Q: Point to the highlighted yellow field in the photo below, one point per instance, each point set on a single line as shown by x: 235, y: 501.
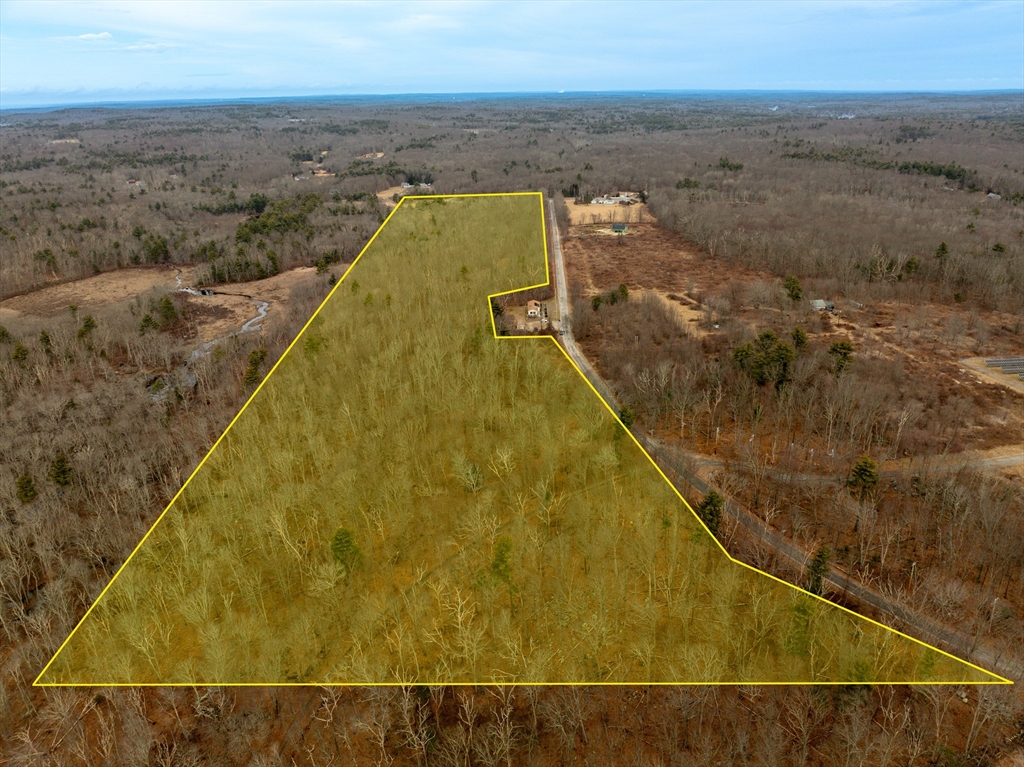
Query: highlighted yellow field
x: 408, y: 499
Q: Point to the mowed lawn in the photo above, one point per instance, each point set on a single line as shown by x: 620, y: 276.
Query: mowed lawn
x: 491, y: 520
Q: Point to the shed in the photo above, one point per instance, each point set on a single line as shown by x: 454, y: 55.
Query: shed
x: 823, y: 306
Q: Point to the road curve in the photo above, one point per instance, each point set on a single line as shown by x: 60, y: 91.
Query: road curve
x: 672, y: 463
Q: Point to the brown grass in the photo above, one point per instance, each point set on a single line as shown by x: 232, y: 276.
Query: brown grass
x: 586, y: 213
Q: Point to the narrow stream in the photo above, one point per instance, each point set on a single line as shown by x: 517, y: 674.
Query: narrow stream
x: 254, y: 323
x: 183, y: 376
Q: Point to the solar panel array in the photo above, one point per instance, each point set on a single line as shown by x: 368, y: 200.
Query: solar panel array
x: 1008, y: 365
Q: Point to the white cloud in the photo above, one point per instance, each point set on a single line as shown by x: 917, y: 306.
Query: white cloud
x: 96, y: 36
x: 149, y: 46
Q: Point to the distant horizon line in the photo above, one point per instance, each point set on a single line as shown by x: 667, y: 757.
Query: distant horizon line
x: 468, y: 96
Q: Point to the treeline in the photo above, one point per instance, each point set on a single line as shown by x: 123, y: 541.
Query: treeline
x: 952, y: 171
x: 255, y: 205
x: 868, y: 158
x: 359, y: 168
x: 107, y: 159
x: 421, y: 143
x: 859, y: 156
x: 242, y: 267
x: 536, y: 726
x: 353, y: 128
x: 10, y: 165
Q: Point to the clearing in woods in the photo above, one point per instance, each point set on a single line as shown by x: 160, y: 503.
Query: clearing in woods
x: 214, y: 316
x: 408, y: 499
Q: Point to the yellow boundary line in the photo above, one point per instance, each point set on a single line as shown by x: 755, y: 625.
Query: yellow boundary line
x: 999, y: 680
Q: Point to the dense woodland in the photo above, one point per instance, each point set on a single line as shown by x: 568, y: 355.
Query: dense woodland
x: 918, y: 200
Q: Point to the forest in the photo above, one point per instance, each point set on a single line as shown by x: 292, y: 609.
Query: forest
x: 317, y: 542
x: 911, y: 209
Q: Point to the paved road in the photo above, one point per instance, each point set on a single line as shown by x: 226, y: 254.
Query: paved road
x: 672, y: 462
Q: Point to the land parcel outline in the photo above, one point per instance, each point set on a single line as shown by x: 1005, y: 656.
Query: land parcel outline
x: 491, y: 519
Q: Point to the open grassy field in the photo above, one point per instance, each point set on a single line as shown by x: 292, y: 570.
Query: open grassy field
x: 408, y: 499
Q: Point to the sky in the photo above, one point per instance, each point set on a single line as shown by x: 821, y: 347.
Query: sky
x: 85, y: 51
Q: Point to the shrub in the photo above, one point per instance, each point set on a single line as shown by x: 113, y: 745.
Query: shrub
x: 168, y: 314
x: 793, y: 289
x: 627, y: 417
x: 148, y: 323
x: 25, y: 489
x: 501, y: 565
x: 61, y: 472
x: 817, y: 570
x: 842, y: 354
x: 863, y: 477
x: 252, y: 372
x: 710, y: 511
x: 19, y: 353
x: 88, y: 325
x: 345, y: 549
